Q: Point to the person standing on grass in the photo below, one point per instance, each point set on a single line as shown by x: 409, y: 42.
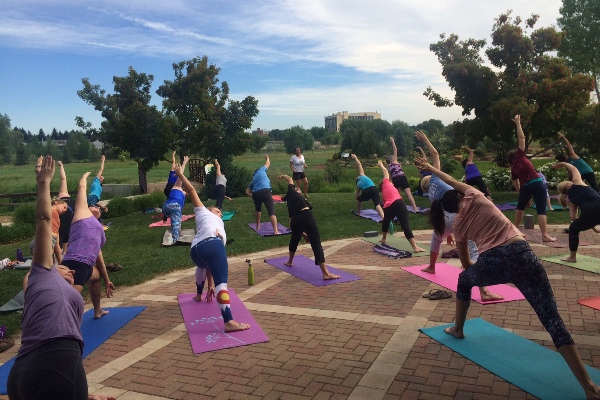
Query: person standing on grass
x: 302, y: 221
x: 220, y: 185
x: 398, y: 177
x: 297, y: 165
x: 577, y: 195
x: 393, y: 206
x: 49, y: 363
x: 472, y: 174
x: 436, y: 188
x: 505, y: 258
x: 260, y: 192
x: 528, y: 184
x: 173, y: 207
x: 586, y: 172
x: 365, y: 189
x: 208, y: 253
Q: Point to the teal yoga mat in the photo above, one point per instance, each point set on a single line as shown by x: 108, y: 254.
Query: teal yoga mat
x: 227, y: 215
x: 94, y: 332
x: 527, y: 365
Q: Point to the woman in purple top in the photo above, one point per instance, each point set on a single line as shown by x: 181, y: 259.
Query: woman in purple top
x: 48, y: 365
x: 473, y: 176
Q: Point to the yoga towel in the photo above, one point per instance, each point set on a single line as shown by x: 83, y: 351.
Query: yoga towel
x: 447, y: 276
x: 227, y: 215
x: 205, y: 325
x: 16, y: 303
x: 306, y: 269
x: 419, y: 211
x: 369, y: 214
x: 94, y: 332
x: 390, y: 251
x: 585, y: 263
x: 398, y: 242
x: 506, y: 206
x: 536, y: 369
x: 266, y: 229
x: 168, y: 222
x: 593, y: 302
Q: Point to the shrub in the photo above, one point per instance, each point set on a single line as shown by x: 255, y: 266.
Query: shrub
x: 25, y: 214
x: 553, y: 176
x: 119, y: 206
x: 499, y: 179
x: 142, y: 203
x: 333, y: 172
x: 413, y: 182
x: 449, y: 164
x: 238, y: 179
x: 16, y: 232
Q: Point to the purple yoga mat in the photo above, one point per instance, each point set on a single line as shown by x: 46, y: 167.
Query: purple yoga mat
x: 421, y: 210
x: 205, y: 325
x: 447, y: 276
x: 306, y: 269
x: 505, y: 207
x: 369, y: 214
x: 266, y: 229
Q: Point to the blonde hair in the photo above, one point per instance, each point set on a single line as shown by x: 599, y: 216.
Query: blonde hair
x: 425, y: 183
x: 563, y: 199
x: 56, y: 200
x: 562, y: 187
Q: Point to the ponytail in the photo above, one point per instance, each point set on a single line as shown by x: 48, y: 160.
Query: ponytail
x: 436, y: 218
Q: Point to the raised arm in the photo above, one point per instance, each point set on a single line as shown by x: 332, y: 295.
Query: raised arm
x: 173, y: 161
x: 520, y: 134
x: 101, y: 170
x: 361, y: 171
x: 42, y: 252
x: 470, y: 159
x: 432, y: 151
x: 422, y: 152
x: 386, y: 174
x: 573, y: 171
x: 63, y: 191
x: 288, y: 178
x: 394, y: 151
x: 425, y: 166
x: 184, y: 163
x: 218, y: 168
x: 267, y: 161
x: 568, y: 146
x: 81, y: 207
x: 189, y: 188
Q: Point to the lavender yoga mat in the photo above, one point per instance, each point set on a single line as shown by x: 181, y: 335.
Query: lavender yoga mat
x: 266, y: 229
x: 205, y: 325
x: 306, y: 269
x: 505, y: 207
x: 369, y: 214
x: 420, y: 210
x: 447, y: 276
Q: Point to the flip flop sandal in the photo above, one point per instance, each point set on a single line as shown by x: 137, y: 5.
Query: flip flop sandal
x: 432, y: 292
x: 442, y: 294
x: 6, y: 344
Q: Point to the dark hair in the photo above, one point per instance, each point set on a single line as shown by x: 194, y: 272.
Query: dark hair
x: 510, y: 156
x: 449, y: 203
x: 561, y: 157
x: 464, y: 163
x: 388, y: 159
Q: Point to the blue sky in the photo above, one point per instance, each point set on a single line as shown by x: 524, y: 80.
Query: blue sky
x: 301, y: 59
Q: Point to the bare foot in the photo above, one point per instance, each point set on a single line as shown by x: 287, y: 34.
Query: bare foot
x: 277, y: 233
x: 198, y: 297
x: 592, y: 393
x: 548, y: 238
x: 489, y: 296
x: 418, y: 250
x: 430, y: 269
x: 454, y: 332
x: 233, y: 326
x: 306, y: 195
x: 569, y: 259
x: 101, y: 314
x: 329, y: 276
x: 289, y: 264
x: 258, y: 227
x: 382, y: 241
x: 551, y: 209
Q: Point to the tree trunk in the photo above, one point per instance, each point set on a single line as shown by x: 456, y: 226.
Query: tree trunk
x: 142, y: 178
x: 596, y: 87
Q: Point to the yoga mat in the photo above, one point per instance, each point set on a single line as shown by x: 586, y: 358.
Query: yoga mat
x: 369, y: 214
x: 585, y: 263
x: 16, y: 303
x: 205, y: 325
x: 227, y: 215
x: 186, y: 236
x: 556, y: 207
x: 398, y: 242
x: 506, y: 206
x: 306, y: 269
x: 593, y: 302
x: 447, y: 276
x: 266, y: 229
x: 94, y: 332
x: 534, y: 235
x: 168, y: 222
x: 535, y: 369
x: 277, y: 199
x: 420, y: 210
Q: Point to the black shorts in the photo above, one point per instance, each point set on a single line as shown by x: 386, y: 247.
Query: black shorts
x: 83, y: 272
x: 370, y: 193
x: 298, y: 176
x: 400, y: 182
x: 264, y: 196
x: 65, y: 220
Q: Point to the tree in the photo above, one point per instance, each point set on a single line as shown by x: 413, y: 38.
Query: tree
x: 130, y: 122
x: 318, y: 132
x: 361, y: 138
x: 41, y: 135
x: 526, y: 80
x: 276, y: 134
x: 205, y: 121
x: 257, y: 142
x: 580, y: 21
x: 297, y: 136
x: 21, y: 156
x: 404, y: 138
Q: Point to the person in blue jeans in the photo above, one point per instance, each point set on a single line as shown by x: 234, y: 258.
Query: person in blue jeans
x: 260, y: 192
x: 173, y: 207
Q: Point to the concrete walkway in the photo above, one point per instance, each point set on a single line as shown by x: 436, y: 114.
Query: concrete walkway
x: 357, y: 340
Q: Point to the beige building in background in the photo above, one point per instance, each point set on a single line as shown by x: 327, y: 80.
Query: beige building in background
x: 333, y: 121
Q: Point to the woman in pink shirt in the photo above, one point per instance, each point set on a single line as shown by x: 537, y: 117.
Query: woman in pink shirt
x: 504, y: 257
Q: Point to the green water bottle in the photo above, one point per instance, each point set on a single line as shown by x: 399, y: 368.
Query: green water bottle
x: 250, y: 273
x: 391, y: 227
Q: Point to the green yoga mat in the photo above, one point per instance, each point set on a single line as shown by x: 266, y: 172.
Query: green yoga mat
x: 227, y: 215
x: 585, y: 263
x: 527, y: 365
x: 400, y: 243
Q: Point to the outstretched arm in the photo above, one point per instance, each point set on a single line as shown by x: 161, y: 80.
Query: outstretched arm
x: 386, y: 174
x: 361, y: 171
x: 288, y: 178
x: 432, y: 151
x: 184, y: 163
x: 101, y: 266
x: 422, y: 152
x: 81, y: 207
x: 520, y: 134
x: 218, y: 168
x: 267, y: 161
x: 570, y: 149
x: 189, y: 188
x: 63, y: 191
x: 42, y: 252
x: 461, y: 187
x: 470, y: 159
x: 573, y: 172
x: 101, y: 170
x: 173, y: 161
x: 394, y: 151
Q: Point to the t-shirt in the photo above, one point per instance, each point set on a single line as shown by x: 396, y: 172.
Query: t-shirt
x: 297, y: 163
x: 437, y: 188
x: 363, y: 182
x: 482, y: 222
x: 220, y: 180
x: 581, y: 195
x: 471, y: 171
x: 260, y: 180
x: 53, y: 309
x: 172, y: 177
x: 55, y: 222
x: 522, y: 169
x: 389, y: 193
x: 295, y: 202
x: 581, y: 165
x: 86, y: 239
x: 207, y: 225
x: 176, y: 196
x: 396, y: 170
x: 96, y: 188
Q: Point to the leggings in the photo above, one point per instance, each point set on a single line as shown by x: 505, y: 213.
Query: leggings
x: 516, y: 263
x: 538, y: 191
x: 210, y: 253
x: 590, y: 177
x: 304, y: 221
x: 397, y: 209
x: 173, y: 211
x: 478, y: 181
x: 590, y: 217
x: 219, y: 195
x: 52, y: 371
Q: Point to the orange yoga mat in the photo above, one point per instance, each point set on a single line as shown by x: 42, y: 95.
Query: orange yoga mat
x: 593, y: 302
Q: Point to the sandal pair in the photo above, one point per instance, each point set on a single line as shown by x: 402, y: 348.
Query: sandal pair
x: 437, y: 294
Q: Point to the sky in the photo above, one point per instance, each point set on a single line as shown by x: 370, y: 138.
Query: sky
x: 302, y: 60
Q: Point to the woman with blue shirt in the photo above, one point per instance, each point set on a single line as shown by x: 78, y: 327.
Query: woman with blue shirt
x: 366, y: 189
x: 260, y: 192
x: 586, y: 172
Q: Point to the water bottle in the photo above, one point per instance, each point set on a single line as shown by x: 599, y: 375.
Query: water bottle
x: 391, y: 227
x: 250, y: 273
x: 19, y: 255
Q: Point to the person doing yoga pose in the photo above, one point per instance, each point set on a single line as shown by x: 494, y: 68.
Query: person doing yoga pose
x: 220, y: 185
x: 397, y: 175
x: 173, y: 207
x: 366, y: 189
x: 260, y: 192
x: 586, y: 172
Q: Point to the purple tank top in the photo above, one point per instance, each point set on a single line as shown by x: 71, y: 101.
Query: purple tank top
x: 87, y: 238
x: 395, y: 170
x: 471, y: 171
x: 53, y: 310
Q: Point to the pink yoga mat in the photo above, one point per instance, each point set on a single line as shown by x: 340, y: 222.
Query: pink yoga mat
x: 593, y: 302
x: 168, y: 222
x: 205, y: 325
x: 306, y: 269
x: 447, y: 276
x: 266, y: 229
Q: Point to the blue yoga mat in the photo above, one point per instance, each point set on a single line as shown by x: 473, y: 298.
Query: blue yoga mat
x: 527, y: 365
x: 94, y: 332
